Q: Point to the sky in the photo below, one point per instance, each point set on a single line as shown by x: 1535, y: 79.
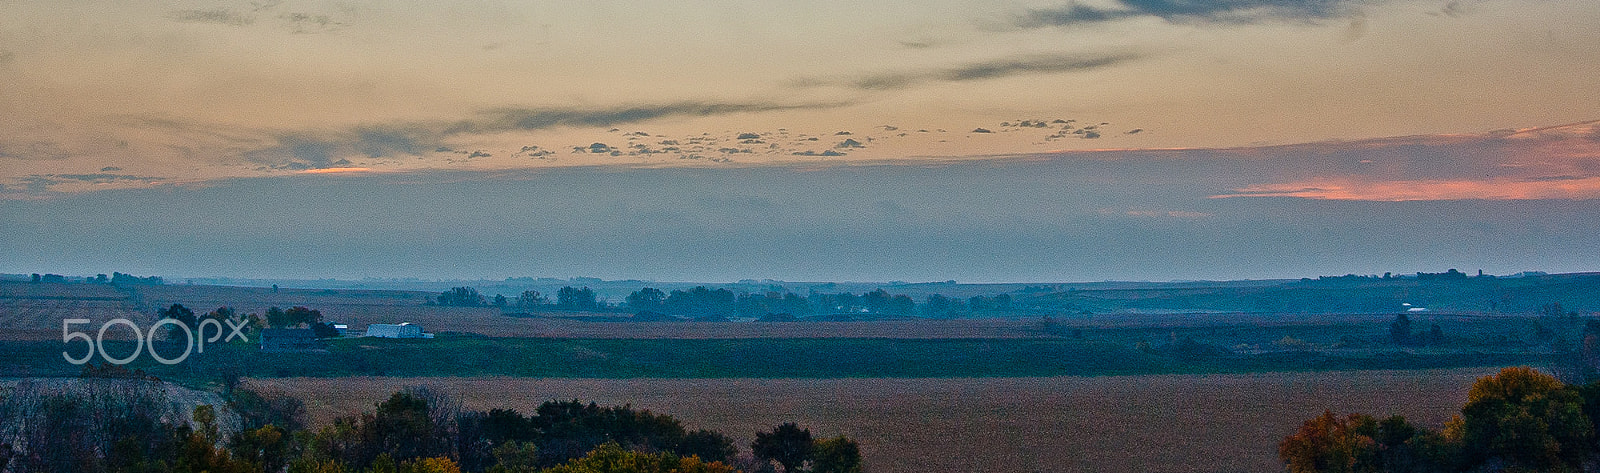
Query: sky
x: 715, y: 141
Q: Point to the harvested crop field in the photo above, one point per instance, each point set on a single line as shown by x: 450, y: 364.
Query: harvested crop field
x: 1178, y: 423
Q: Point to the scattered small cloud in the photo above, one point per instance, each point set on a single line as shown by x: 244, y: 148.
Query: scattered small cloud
x: 1453, y: 9
x: 304, y: 23
x: 1186, y: 214
x: 341, y: 170
x: 217, y: 16
x: 36, y: 150
x: 814, y: 153
x: 100, y: 177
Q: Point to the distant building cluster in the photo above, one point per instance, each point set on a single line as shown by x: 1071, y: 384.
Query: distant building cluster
x: 304, y: 340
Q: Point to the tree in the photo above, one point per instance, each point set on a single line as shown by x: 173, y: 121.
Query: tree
x: 646, y: 299
x: 787, y: 444
x: 513, y: 456
x: 1361, y: 443
x: 1435, y: 335
x: 708, y: 445
x: 403, y: 426
x: 294, y: 317
x: 324, y: 330
x: 977, y: 303
x: 1002, y: 302
x: 701, y: 302
x: 184, y: 316
x: 612, y: 458
x: 530, y: 298
x: 221, y: 314
x: 120, y: 279
x: 430, y: 465
x: 256, y: 410
x: 757, y: 305
x: 937, y: 305
x: 92, y: 425
x: 1325, y: 444
x: 1526, y: 418
x: 1400, y: 330
x: 876, y: 301
x: 500, y: 300
x: 276, y: 318
x: 197, y: 451
x: 267, y: 447
x: 836, y: 455
x: 1589, y: 350
x: 298, y: 315
x: 571, y: 298
x: 462, y: 297
x: 900, y: 304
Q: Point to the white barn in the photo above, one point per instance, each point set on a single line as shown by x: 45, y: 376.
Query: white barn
x: 403, y: 330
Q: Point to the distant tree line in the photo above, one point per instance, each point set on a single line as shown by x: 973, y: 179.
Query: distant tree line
x: 704, y: 303
x: 1449, y: 275
x: 274, y: 317
x: 119, y: 279
x: 126, y: 423
x: 568, y: 298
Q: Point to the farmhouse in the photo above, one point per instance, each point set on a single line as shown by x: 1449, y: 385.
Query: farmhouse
x: 291, y: 340
x: 403, y: 330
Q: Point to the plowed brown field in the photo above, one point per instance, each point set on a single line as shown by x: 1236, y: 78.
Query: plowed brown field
x: 1177, y: 423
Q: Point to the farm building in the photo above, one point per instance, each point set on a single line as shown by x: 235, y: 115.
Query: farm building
x: 403, y: 330
x: 291, y: 340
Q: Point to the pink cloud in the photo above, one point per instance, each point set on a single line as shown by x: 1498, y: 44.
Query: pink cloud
x: 1396, y: 191
x: 1559, y: 162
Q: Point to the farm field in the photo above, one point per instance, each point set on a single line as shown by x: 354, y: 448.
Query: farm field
x: 34, y: 312
x: 1156, y: 423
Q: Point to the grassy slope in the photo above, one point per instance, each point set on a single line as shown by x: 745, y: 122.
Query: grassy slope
x: 745, y: 358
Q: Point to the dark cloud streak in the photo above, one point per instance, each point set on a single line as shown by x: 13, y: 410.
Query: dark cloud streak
x: 1020, y: 65
x: 1190, y: 12
x: 301, y: 150
x: 1032, y: 65
x: 509, y: 119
